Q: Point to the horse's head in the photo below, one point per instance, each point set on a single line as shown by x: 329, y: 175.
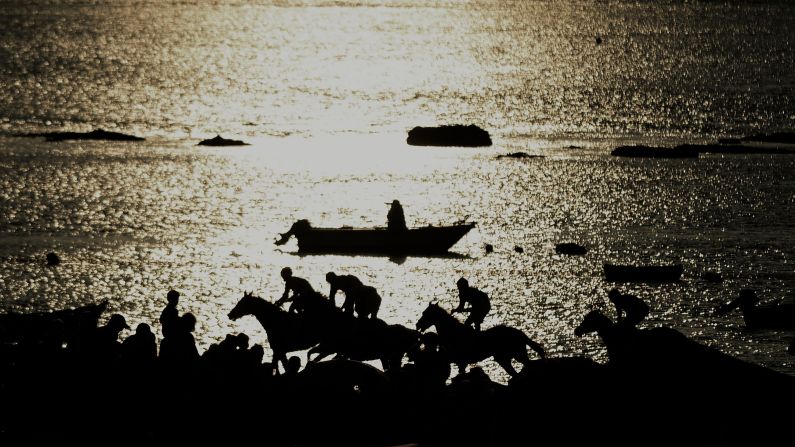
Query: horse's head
x: 430, y: 316
x: 592, y: 322
x: 248, y: 305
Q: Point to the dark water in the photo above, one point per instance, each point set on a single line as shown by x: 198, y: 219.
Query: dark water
x: 325, y: 91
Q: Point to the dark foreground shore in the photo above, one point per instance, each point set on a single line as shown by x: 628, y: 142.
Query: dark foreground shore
x: 340, y: 402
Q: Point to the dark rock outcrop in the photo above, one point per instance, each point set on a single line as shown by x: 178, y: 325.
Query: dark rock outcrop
x: 654, y: 152
x: 734, y: 149
x: 570, y: 248
x: 455, y: 135
x: 96, y: 134
x: 518, y: 155
x: 777, y: 137
x: 220, y: 141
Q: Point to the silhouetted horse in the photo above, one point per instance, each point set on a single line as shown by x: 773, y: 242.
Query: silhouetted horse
x: 286, y: 332
x: 757, y: 316
x: 368, y: 339
x: 464, y: 345
x: 668, y: 357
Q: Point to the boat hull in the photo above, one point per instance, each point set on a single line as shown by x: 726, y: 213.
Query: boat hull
x: 631, y: 273
x: 423, y: 240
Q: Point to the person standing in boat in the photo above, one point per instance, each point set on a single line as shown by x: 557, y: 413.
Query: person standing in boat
x: 396, y: 220
x: 635, y: 308
x: 302, y: 291
x: 479, y: 304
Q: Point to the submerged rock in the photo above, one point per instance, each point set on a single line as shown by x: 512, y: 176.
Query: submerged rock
x: 220, y: 141
x: 455, y: 135
x: 735, y: 149
x: 53, y: 259
x: 570, y: 248
x: 712, y: 277
x: 518, y: 155
x: 777, y: 137
x: 642, y: 151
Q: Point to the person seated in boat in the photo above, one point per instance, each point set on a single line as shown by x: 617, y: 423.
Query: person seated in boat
x: 169, y: 318
x: 479, y: 304
x: 396, y: 220
x: 365, y: 300
x: 635, y: 308
x: 301, y: 289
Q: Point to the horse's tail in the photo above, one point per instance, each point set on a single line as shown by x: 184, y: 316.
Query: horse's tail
x: 535, y: 346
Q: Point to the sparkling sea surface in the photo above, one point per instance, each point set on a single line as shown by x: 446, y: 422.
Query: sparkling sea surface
x: 325, y: 92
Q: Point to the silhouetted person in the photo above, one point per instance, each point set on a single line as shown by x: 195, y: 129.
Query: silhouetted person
x: 300, y: 288
x: 140, y: 349
x: 178, y: 348
x: 365, y: 300
x: 293, y: 366
x: 432, y: 365
x: 105, y: 345
x: 169, y: 318
x: 347, y: 284
x: 479, y: 304
x: 635, y: 308
x: 396, y: 221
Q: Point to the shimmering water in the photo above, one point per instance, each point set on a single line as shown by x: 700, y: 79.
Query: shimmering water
x: 325, y: 92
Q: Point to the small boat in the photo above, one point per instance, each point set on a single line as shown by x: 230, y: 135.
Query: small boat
x: 379, y: 240
x: 646, y: 273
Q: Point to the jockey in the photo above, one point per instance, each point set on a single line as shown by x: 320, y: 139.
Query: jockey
x: 635, y: 308
x: 478, y: 301
x: 299, y: 286
x: 363, y: 299
x: 348, y: 284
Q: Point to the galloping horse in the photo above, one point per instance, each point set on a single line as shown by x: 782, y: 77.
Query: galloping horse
x: 665, y: 355
x: 464, y: 345
x: 286, y: 332
x: 369, y: 339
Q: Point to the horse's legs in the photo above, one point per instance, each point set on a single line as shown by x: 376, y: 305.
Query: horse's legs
x: 320, y: 356
x: 522, y: 358
x: 505, y: 362
x: 279, y: 357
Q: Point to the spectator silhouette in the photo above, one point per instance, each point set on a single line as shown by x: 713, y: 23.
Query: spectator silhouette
x: 178, y: 348
x: 478, y: 301
x: 140, y: 349
x: 432, y: 365
x: 102, y: 346
x: 169, y: 318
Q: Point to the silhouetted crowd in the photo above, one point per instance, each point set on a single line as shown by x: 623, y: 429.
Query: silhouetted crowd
x: 73, y: 379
